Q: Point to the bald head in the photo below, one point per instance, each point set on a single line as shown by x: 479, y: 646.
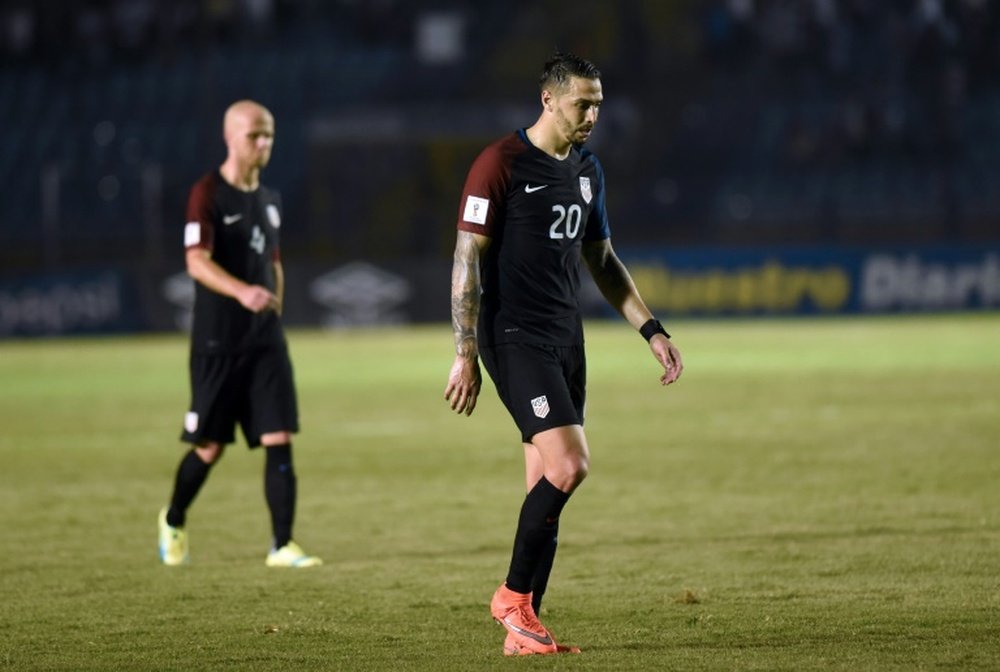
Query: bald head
x: 243, y: 113
x: 248, y: 129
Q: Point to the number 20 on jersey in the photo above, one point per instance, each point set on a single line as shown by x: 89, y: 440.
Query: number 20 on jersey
x: 567, y: 222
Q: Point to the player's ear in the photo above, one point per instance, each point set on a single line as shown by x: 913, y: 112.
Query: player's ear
x: 547, y: 100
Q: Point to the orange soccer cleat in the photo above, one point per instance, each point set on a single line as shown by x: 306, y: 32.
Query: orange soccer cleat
x: 513, y: 611
x: 512, y: 648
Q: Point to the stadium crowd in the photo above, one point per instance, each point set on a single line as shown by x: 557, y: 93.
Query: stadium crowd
x: 783, y: 120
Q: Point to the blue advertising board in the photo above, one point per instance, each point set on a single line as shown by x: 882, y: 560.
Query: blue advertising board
x: 70, y: 302
x: 712, y: 282
x: 778, y: 281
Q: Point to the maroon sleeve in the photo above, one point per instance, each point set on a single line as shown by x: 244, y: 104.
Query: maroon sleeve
x: 484, y: 195
x: 200, y: 228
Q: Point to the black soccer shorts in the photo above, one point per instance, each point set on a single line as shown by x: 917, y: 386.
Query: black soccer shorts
x: 542, y: 386
x: 255, y: 390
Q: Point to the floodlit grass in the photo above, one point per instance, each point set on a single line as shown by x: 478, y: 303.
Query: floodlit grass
x: 811, y: 495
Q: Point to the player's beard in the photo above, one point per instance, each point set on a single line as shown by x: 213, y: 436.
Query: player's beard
x: 575, y: 134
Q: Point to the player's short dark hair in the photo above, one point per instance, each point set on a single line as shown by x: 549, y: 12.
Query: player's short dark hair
x: 562, y: 66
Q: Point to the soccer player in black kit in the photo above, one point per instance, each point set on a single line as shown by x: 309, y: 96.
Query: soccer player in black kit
x: 241, y: 372
x: 532, y: 205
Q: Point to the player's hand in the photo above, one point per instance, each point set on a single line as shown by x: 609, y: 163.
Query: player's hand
x: 464, y: 382
x: 668, y: 356
x: 256, y: 299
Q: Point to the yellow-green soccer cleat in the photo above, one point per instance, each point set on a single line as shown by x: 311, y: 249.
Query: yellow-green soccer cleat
x: 173, y: 542
x: 291, y: 555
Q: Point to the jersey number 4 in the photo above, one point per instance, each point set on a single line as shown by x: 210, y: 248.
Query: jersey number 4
x: 567, y: 223
x: 257, y: 240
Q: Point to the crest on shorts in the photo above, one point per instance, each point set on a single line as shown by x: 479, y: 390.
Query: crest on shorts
x: 540, y: 405
x: 588, y: 195
x: 191, y: 421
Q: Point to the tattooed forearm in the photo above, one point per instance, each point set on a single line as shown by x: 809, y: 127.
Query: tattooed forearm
x: 465, y: 287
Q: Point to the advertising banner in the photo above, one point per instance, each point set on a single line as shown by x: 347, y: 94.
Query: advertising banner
x: 72, y: 302
x: 714, y: 282
x: 815, y: 281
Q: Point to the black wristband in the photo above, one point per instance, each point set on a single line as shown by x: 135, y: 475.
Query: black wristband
x: 651, y: 328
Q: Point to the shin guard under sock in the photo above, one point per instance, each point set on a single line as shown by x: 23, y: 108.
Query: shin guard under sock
x: 280, y: 491
x: 191, y: 475
x: 536, y: 527
x: 540, y: 581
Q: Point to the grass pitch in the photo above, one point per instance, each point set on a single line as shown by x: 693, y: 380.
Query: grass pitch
x: 811, y: 495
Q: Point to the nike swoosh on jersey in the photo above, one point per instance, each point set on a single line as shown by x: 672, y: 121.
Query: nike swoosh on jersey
x: 528, y: 189
x: 231, y: 219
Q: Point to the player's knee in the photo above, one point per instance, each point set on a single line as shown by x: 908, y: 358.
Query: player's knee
x: 569, y: 472
x: 580, y: 460
x: 580, y: 470
x: 210, y: 452
x: 275, y: 439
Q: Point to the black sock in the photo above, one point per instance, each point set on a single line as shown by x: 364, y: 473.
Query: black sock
x: 191, y: 475
x: 541, y: 578
x: 279, y: 491
x: 535, y: 528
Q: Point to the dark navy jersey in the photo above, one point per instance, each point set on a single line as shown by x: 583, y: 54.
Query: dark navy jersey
x: 240, y: 229
x: 537, y: 210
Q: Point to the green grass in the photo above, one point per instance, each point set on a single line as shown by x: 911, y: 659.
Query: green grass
x: 811, y: 495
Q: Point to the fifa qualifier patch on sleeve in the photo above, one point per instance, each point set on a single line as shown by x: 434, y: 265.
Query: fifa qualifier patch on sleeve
x: 273, y: 216
x: 475, y: 210
x: 191, y: 421
x: 192, y: 234
x: 540, y: 405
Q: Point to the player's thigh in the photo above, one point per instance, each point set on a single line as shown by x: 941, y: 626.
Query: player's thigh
x: 272, y: 404
x: 215, y: 400
x: 565, y: 446
x: 531, y: 381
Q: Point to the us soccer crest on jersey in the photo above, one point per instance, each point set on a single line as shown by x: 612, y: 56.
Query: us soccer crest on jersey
x: 273, y: 215
x: 585, y: 191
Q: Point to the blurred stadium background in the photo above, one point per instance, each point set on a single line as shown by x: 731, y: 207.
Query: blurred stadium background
x: 763, y: 156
